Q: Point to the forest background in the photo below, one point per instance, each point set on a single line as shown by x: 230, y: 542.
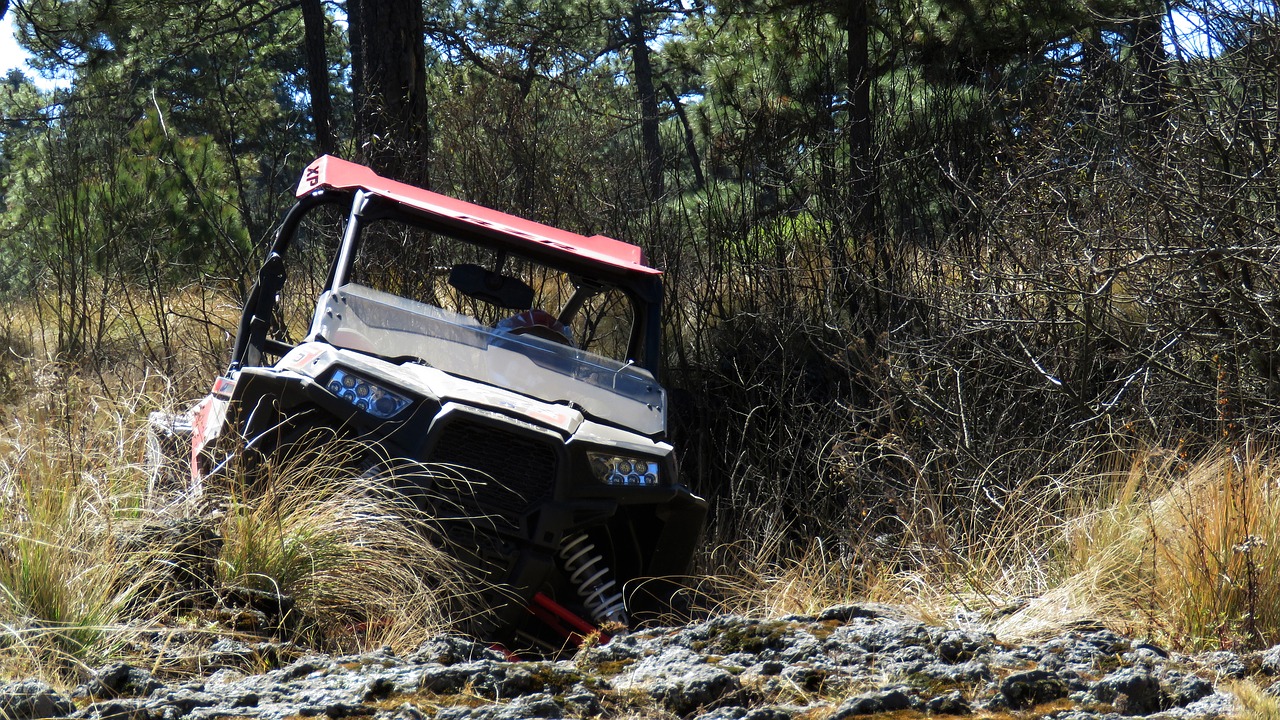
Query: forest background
x: 960, y: 293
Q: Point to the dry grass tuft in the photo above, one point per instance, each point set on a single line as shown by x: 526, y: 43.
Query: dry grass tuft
x: 364, y: 565
x: 1189, y: 553
x: 1253, y: 702
x: 68, y: 483
x: 1185, y: 553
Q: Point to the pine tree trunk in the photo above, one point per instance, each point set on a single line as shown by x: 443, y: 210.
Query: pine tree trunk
x: 391, y: 111
x: 317, y: 73
x: 1153, y: 62
x: 861, y: 175
x: 642, y: 66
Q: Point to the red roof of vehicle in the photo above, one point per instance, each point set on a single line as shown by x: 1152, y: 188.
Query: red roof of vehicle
x: 331, y: 172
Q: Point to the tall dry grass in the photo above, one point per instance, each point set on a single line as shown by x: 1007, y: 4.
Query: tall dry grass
x: 365, y: 566
x: 79, y: 585
x: 69, y: 482
x: 1184, y: 552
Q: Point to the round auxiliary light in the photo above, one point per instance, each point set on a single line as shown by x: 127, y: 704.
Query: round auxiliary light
x: 348, y: 381
x: 362, y: 390
x: 335, y: 387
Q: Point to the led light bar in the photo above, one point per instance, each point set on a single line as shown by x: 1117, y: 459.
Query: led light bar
x: 369, y: 397
x: 622, y: 470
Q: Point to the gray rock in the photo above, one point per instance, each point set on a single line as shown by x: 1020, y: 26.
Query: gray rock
x: 117, y: 680
x: 679, y: 680
x: 124, y: 709
x: 1224, y: 664
x: 1182, y: 689
x: 805, y: 677
x: 1132, y: 691
x: 955, y: 646
x: 1269, y: 660
x: 1031, y: 688
x: 966, y: 673
x: 872, y: 703
x: 453, y: 649
x: 27, y: 699
x: 1217, y: 705
x: 184, y: 700
x: 768, y: 712
x: 950, y: 703
x: 535, y: 706
x: 868, y: 611
x: 732, y: 712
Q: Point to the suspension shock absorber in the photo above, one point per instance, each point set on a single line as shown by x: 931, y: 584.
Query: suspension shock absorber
x: 591, y: 578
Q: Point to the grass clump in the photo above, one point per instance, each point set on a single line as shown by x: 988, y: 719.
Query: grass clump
x: 67, y: 486
x: 1189, y: 553
x: 360, y: 561
x: 93, y: 569
x: 1147, y: 542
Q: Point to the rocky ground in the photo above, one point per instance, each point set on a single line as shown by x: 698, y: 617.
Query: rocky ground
x: 849, y: 661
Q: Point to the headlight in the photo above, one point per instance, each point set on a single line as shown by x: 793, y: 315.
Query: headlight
x: 619, y: 470
x: 368, y: 396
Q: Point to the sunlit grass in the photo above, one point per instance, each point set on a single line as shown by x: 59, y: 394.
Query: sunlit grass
x: 363, y: 564
x: 1186, y: 553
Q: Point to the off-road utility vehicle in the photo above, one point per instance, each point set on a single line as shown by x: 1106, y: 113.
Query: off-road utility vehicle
x: 465, y: 342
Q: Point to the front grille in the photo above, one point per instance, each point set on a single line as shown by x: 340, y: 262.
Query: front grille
x: 506, y: 472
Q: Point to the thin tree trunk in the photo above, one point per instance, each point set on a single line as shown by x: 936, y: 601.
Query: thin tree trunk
x: 690, y: 146
x: 1153, y: 63
x: 855, y: 216
x: 642, y: 66
x: 861, y: 176
x: 355, y: 39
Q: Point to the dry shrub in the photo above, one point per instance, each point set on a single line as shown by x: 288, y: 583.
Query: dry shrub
x: 1255, y: 703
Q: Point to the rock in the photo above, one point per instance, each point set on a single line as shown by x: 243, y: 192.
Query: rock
x: 679, y: 680
x: 1132, y: 691
x: 869, y: 611
x: 966, y: 673
x: 951, y: 703
x: 728, y: 668
x: 1031, y: 688
x: 872, y: 703
x: 1269, y: 660
x: 1224, y: 664
x: 28, y: 699
x: 537, y: 706
x: 117, y: 680
x: 453, y: 649
x: 130, y: 709
x: 1216, y: 705
x: 1182, y: 689
x: 184, y: 700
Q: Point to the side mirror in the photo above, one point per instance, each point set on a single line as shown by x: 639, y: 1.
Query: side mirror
x: 494, y: 288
